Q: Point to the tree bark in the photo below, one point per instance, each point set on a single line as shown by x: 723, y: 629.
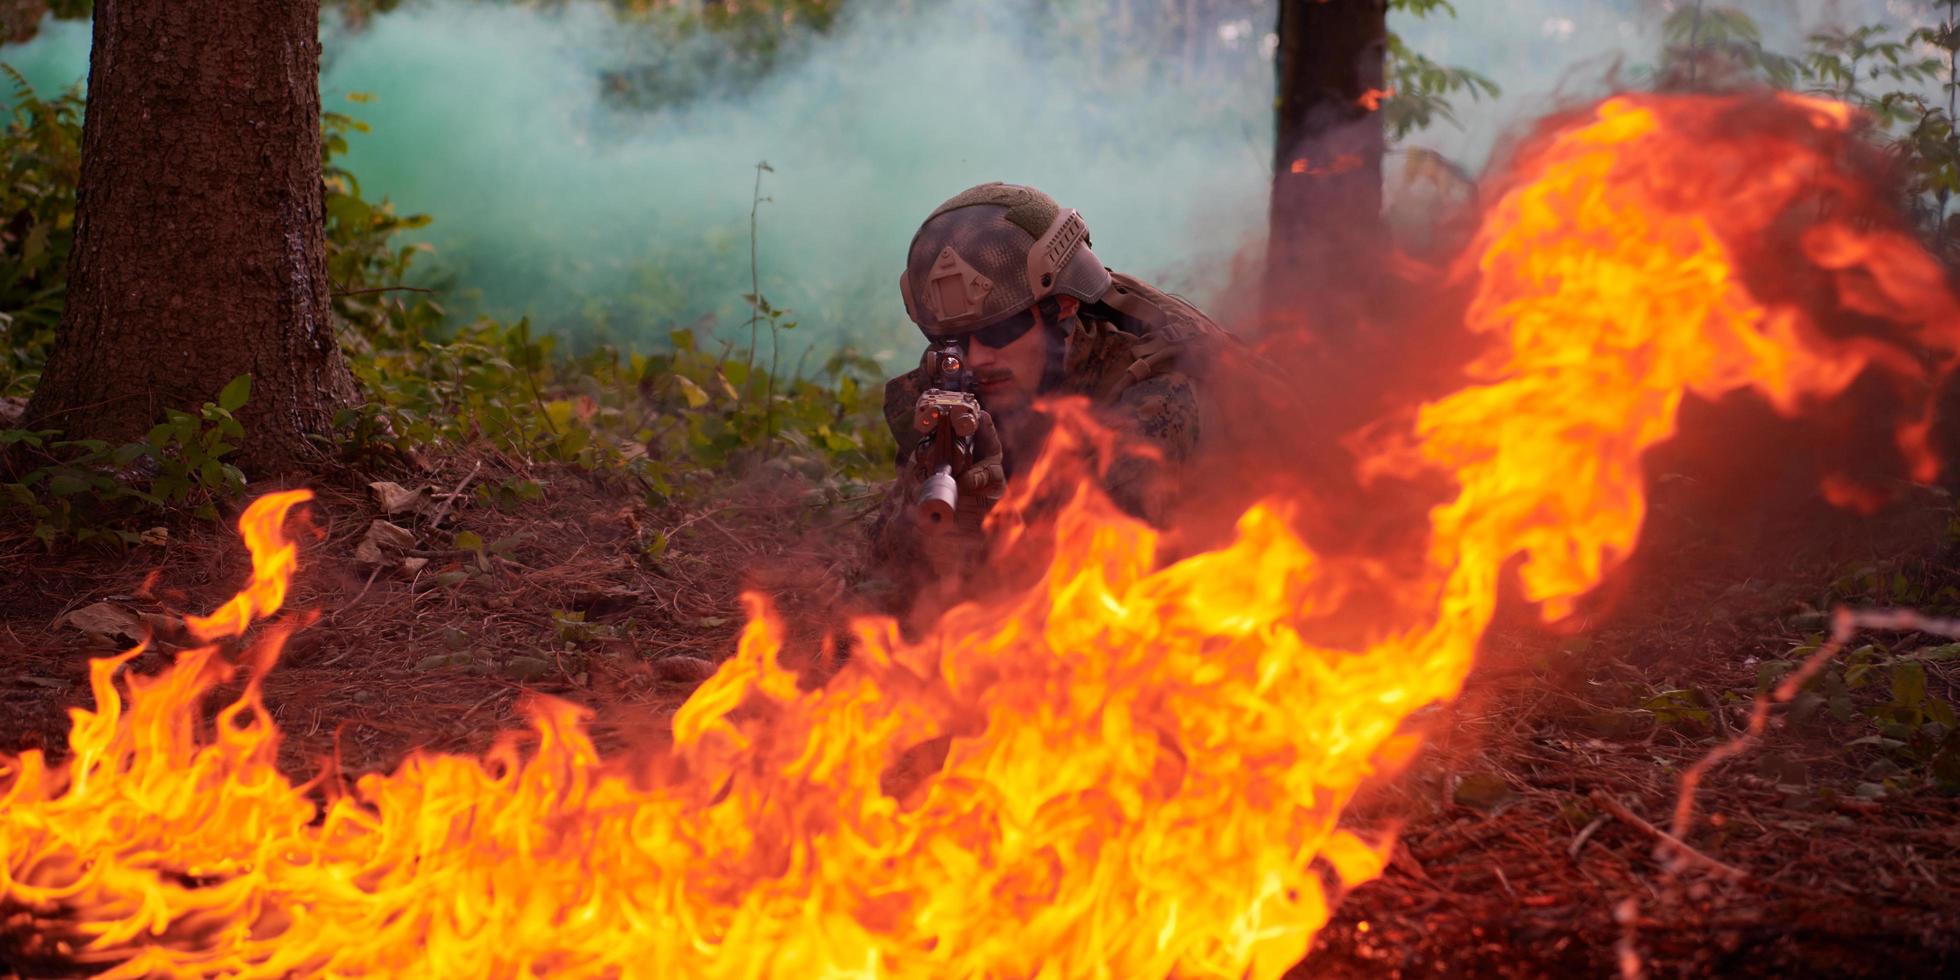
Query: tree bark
x: 1325, y: 223
x: 200, y: 249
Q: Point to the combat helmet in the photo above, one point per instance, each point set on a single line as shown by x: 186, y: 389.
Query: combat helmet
x: 991, y: 252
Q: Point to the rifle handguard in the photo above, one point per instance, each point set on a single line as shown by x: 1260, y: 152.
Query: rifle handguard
x: 939, y: 499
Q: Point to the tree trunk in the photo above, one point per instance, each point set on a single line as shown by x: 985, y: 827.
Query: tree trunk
x: 1325, y: 222
x: 200, y: 249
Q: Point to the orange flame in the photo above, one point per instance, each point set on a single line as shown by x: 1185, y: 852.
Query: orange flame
x: 1144, y: 765
x: 1340, y: 165
x: 274, y: 559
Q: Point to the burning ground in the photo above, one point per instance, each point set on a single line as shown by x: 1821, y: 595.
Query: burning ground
x: 1130, y: 767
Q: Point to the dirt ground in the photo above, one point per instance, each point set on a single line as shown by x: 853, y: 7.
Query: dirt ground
x: 1520, y: 828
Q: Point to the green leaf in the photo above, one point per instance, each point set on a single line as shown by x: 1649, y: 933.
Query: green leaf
x: 67, y: 485
x: 559, y: 413
x: 691, y: 391
x: 467, y: 541
x: 233, y: 397
x: 1946, y: 651
x: 1482, y: 791
x: 1938, y: 710
x: 1858, y: 675
x: 656, y: 546
x: 437, y: 661
x: 1909, y: 685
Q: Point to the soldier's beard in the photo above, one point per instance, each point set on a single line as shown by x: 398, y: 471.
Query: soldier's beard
x: 998, y: 392
x: 1004, y: 394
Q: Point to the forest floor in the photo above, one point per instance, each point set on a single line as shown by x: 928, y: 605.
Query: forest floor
x: 1511, y: 860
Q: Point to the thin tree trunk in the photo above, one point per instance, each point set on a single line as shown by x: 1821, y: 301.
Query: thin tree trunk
x: 1325, y: 225
x: 199, y: 241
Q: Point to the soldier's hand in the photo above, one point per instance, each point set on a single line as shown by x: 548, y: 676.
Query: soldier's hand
x: 984, y: 480
x: 979, y: 476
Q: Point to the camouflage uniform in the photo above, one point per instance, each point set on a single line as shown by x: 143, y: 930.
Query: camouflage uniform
x: 1140, y: 357
x: 983, y: 265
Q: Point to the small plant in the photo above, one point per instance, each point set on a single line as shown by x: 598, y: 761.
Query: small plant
x: 673, y: 420
x: 87, y: 489
x: 1911, y: 726
x: 40, y: 165
x: 1421, y: 89
x: 371, y: 297
x: 1678, y: 707
x: 572, y: 629
x: 1709, y: 47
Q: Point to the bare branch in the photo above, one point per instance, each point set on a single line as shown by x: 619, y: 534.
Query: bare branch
x: 1845, y: 623
x: 1668, y: 842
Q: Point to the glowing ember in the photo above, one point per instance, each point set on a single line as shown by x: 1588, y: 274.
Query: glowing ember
x: 1146, y: 764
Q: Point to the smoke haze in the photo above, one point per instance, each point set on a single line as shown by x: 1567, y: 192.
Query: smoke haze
x: 600, y: 220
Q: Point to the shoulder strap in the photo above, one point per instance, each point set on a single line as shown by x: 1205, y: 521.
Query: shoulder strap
x: 1168, y: 324
x: 1131, y: 297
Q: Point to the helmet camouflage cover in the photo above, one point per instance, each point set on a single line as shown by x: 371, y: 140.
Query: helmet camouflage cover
x: 991, y: 252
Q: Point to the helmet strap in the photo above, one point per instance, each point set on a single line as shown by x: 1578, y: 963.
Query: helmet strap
x: 1055, y: 369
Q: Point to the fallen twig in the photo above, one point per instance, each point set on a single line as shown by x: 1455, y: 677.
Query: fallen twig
x: 1681, y: 848
x: 334, y: 616
x: 442, y: 510
x: 1579, y: 840
x: 1845, y: 623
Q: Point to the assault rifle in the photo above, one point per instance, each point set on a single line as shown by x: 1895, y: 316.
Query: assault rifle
x: 947, y: 415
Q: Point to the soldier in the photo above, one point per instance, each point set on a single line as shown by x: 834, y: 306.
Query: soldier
x: 1015, y: 306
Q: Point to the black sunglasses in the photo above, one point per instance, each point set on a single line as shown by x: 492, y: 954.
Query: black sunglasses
x: 999, y: 335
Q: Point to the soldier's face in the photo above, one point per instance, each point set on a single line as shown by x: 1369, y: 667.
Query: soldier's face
x: 1009, y: 377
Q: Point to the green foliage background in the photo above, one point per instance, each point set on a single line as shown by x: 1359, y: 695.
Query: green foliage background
x: 671, y: 422
x: 651, y: 358
x: 676, y: 370
x: 589, y: 162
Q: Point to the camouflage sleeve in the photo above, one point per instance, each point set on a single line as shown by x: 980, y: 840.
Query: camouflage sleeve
x: 888, y: 571
x: 901, y: 394
x: 888, y: 576
x: 1163, y: 411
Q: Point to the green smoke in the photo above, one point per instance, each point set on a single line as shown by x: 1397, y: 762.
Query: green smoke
x: 551, y: 201
x: 54, y: 60
x: 599, y: 220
